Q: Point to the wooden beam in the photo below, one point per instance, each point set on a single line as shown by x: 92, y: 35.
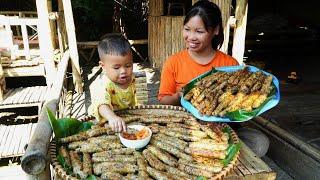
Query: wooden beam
x: 239, y: 37
x: 72, y: 45
x: 46, y: 48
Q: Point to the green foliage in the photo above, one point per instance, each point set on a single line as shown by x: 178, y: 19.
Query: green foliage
x: 66, y: 126
x: 231, y: 152
x: 93, y: 18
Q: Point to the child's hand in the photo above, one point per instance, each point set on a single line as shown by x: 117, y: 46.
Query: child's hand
x: 117, y: 124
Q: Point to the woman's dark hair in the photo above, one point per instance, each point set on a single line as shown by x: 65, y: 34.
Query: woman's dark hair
x: 114, y: 44
x: 210, y: 14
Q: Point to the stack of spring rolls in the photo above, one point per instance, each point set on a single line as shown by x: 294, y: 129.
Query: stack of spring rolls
x: 180, y: 148
x: 223, y: 92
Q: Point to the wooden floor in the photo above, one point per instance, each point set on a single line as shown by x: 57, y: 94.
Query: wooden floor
x: 13, y: 138
x: 24, y: 97
x: 299, y: 112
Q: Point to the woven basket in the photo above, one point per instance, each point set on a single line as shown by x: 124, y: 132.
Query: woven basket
x: 147, y: 109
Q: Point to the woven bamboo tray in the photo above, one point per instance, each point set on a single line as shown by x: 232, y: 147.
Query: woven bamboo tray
x: 145, y: 110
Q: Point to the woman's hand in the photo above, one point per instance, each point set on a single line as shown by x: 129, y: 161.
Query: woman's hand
x: 173, y: 99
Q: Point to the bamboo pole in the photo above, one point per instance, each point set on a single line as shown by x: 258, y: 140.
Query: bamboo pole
x: 53, y: 28
x: 239, y: 37
x: 46, y: 48
x: 72, y: 45
x: 306, y: 148
x: 35, y: 160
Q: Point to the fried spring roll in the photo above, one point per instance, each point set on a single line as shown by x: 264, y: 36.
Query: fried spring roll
x: 206, y: 153
x: 179, y: 135
x: 76, y: 144
x: 111, y: 145
x: 185, y: 126
x: 124, y: 151
x: 171, y: 149
x: 64, y: 153
x: 188, y: 132
x: 156, y: 174
x: 141, y: 161
x: 176, y: 142
x: 155, y: 128
x: 217, y: 137
x: 153, y: 161
x: 161, y: 120
x: 111, y: 176
x: 195, y: 171
x: 122, y: 168
x: 87, y: 134
x: 131, y: 177
x: 101, y: 139
x: 180, y: 174
x: 115, y: 158
x: 89, y: 148
x: 77, y: 164
x: 209, y: 144
x: 163, y: 156
x: 87, y: 163
x: 192, y: 122
x: 143, y: 175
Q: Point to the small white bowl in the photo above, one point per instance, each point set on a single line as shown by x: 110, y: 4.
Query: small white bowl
x: 137, y: 144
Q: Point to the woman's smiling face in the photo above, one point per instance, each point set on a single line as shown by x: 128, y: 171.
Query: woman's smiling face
x: 196, y: 36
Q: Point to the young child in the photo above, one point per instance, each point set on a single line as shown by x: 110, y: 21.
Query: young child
x: 114, y: 88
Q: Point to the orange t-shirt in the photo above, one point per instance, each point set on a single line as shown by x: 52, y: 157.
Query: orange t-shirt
x: 180, y: 68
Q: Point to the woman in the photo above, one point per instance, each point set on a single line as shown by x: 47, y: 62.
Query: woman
x: 203, y: 35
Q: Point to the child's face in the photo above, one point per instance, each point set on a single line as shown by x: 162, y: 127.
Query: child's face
x: 118, y: 68
x: 195, y: 35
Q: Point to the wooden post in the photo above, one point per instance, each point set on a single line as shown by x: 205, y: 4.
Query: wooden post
x: 35, y: 160
x: 239, y: 37
x: 2, y: 81
x: 53, y: 28
x: 72, y: 45
x: 46, y: 48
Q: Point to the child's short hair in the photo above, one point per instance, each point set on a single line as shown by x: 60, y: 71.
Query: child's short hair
x: 114, y: 44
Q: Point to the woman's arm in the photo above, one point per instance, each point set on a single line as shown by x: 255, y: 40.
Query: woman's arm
x: 171, y: 99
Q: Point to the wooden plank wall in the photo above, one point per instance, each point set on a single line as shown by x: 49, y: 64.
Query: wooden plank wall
x: 156, y: 7
x: 165, y: 32
x: 164, y: 38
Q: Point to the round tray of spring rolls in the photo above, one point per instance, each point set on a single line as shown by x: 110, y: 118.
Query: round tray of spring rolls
x: 231, y: 94
x: 180, y: 148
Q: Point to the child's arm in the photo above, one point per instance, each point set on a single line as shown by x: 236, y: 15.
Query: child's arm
x: 115, y: 122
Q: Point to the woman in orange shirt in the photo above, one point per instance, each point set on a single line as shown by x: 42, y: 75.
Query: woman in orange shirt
x: 203, y: 35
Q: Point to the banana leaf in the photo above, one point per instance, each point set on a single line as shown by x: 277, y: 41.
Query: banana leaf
x: 66, y: 126
x: 231, y: 152
x: 239, y: 115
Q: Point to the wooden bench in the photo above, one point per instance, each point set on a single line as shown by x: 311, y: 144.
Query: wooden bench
x: 250, y: 166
